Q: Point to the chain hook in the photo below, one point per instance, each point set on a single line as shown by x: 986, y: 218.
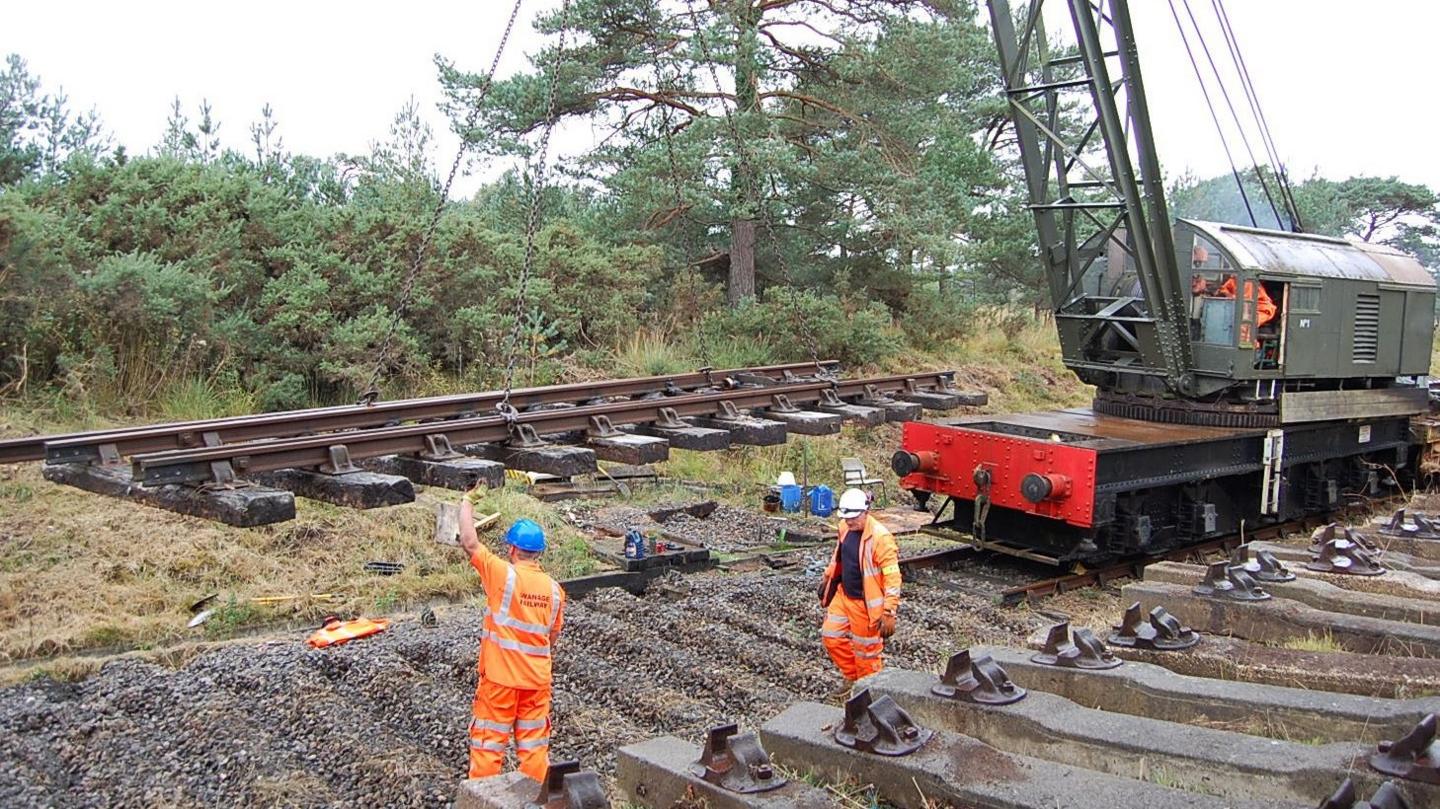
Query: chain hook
x: 507, y: 411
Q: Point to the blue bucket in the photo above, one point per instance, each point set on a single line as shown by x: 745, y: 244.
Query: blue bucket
x: 822, y: 501
x: 790, y: 497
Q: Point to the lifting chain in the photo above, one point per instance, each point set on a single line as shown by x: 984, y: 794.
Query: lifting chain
x: 753, y: 196
x: 537, y: 190
x: 407, y: 289
x: 666, y: 129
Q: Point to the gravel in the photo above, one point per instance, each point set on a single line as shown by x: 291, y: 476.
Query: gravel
x: 381, y: 721
x: 726, y: 530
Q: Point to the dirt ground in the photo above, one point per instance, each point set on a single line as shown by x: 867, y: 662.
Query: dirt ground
x: 269, y: 722
x: 382, y: 720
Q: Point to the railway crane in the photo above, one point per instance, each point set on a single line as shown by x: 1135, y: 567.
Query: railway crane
x: 1243, y: 376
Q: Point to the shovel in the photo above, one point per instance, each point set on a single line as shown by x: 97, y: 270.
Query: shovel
x: 447, y: 523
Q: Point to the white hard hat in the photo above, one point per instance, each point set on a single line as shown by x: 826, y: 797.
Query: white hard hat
x: 853, y: 503
x: 785, y: 479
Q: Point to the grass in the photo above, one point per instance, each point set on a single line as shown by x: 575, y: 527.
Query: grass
x: 193, y: 398
x: 1263, y: 724
x: 1312, y: 642
x: 844, y: 788
x: 82, y: 573
x: 650, y: 353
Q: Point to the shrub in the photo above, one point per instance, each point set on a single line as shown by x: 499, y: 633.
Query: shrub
x: 791, y: 323
x: 933, y: 318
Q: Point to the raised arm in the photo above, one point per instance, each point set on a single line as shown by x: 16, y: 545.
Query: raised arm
x: 482, y: 558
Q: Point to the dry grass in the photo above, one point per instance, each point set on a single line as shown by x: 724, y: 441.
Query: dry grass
x: 1312, y: 642
x: 1260, y: 725
x: 81, y: 572
x: 1012, y: 355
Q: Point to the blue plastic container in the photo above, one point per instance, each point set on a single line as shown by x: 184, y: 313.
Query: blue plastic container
x: 634, y: 544
x: 790, y: 497
x: 822, y: 501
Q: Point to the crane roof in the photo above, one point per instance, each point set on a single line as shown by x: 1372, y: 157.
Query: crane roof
x: 1278, y: 251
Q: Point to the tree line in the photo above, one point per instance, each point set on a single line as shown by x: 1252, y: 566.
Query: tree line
x: 773, y: 180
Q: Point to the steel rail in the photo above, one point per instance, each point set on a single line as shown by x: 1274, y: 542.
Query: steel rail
x: 195, y: 465
x: 87, y: 447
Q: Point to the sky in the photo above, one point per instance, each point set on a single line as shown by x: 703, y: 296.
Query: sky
x: 1342, y: 84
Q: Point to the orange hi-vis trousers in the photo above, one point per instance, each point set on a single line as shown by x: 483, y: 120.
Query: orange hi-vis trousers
x: 500, y: 712
x: 850, y: 638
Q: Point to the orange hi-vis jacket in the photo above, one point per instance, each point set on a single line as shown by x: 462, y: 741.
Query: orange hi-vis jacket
x: 337, y: 632
x: 523, y: 613
x: 1254, y: 293
x: 879, y: 564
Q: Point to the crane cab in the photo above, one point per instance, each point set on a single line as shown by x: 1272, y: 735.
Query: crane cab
x: 1301, y: 314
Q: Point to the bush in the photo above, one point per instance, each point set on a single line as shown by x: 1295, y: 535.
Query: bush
x: 790, y: 324
x: 934, y: 318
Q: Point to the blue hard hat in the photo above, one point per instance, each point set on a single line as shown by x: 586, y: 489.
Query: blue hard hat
x: 527, y: 535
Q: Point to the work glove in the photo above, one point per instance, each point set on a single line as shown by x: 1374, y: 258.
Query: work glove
x: 886, y: 626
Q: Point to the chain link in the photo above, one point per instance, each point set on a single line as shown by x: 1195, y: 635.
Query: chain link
x: 537, y: 190
x: 807, y: 328
x: 407, y: 288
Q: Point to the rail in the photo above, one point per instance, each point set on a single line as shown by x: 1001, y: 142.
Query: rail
x: 198, y: 464
x: 110, y: 445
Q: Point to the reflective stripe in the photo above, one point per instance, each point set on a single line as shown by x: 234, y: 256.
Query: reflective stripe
x: 485, y: 744
x: 868, y: 655
x: 875, y: 602
x: 892, y: 591
x: 531, y: 744
x: 486, y: 724
x: 861, y: 640
x: 517, y: 646
x: 530, y: 724
x: 503, y: 618
x: 834, y: 633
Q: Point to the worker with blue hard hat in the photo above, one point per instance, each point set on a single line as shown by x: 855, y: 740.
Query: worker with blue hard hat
x: 524, y: 609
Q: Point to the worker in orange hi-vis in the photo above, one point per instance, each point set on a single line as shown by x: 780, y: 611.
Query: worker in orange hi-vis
x: 860, y: 590
x: 523, y: 612
x: 1255, y: 293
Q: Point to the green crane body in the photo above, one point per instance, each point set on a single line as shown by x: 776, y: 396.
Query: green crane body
x: 1169, y: 319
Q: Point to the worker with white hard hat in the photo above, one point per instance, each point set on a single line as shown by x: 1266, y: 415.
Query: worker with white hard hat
x: 860, y: 590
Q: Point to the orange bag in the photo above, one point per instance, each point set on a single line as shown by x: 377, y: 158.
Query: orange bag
x: 336, y: 632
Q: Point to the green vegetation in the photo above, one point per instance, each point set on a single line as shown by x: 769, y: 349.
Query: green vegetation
x: 874, y: 214
x: 857, y: 198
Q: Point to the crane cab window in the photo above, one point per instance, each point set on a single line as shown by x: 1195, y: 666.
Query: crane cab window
x: 1212, y: 307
